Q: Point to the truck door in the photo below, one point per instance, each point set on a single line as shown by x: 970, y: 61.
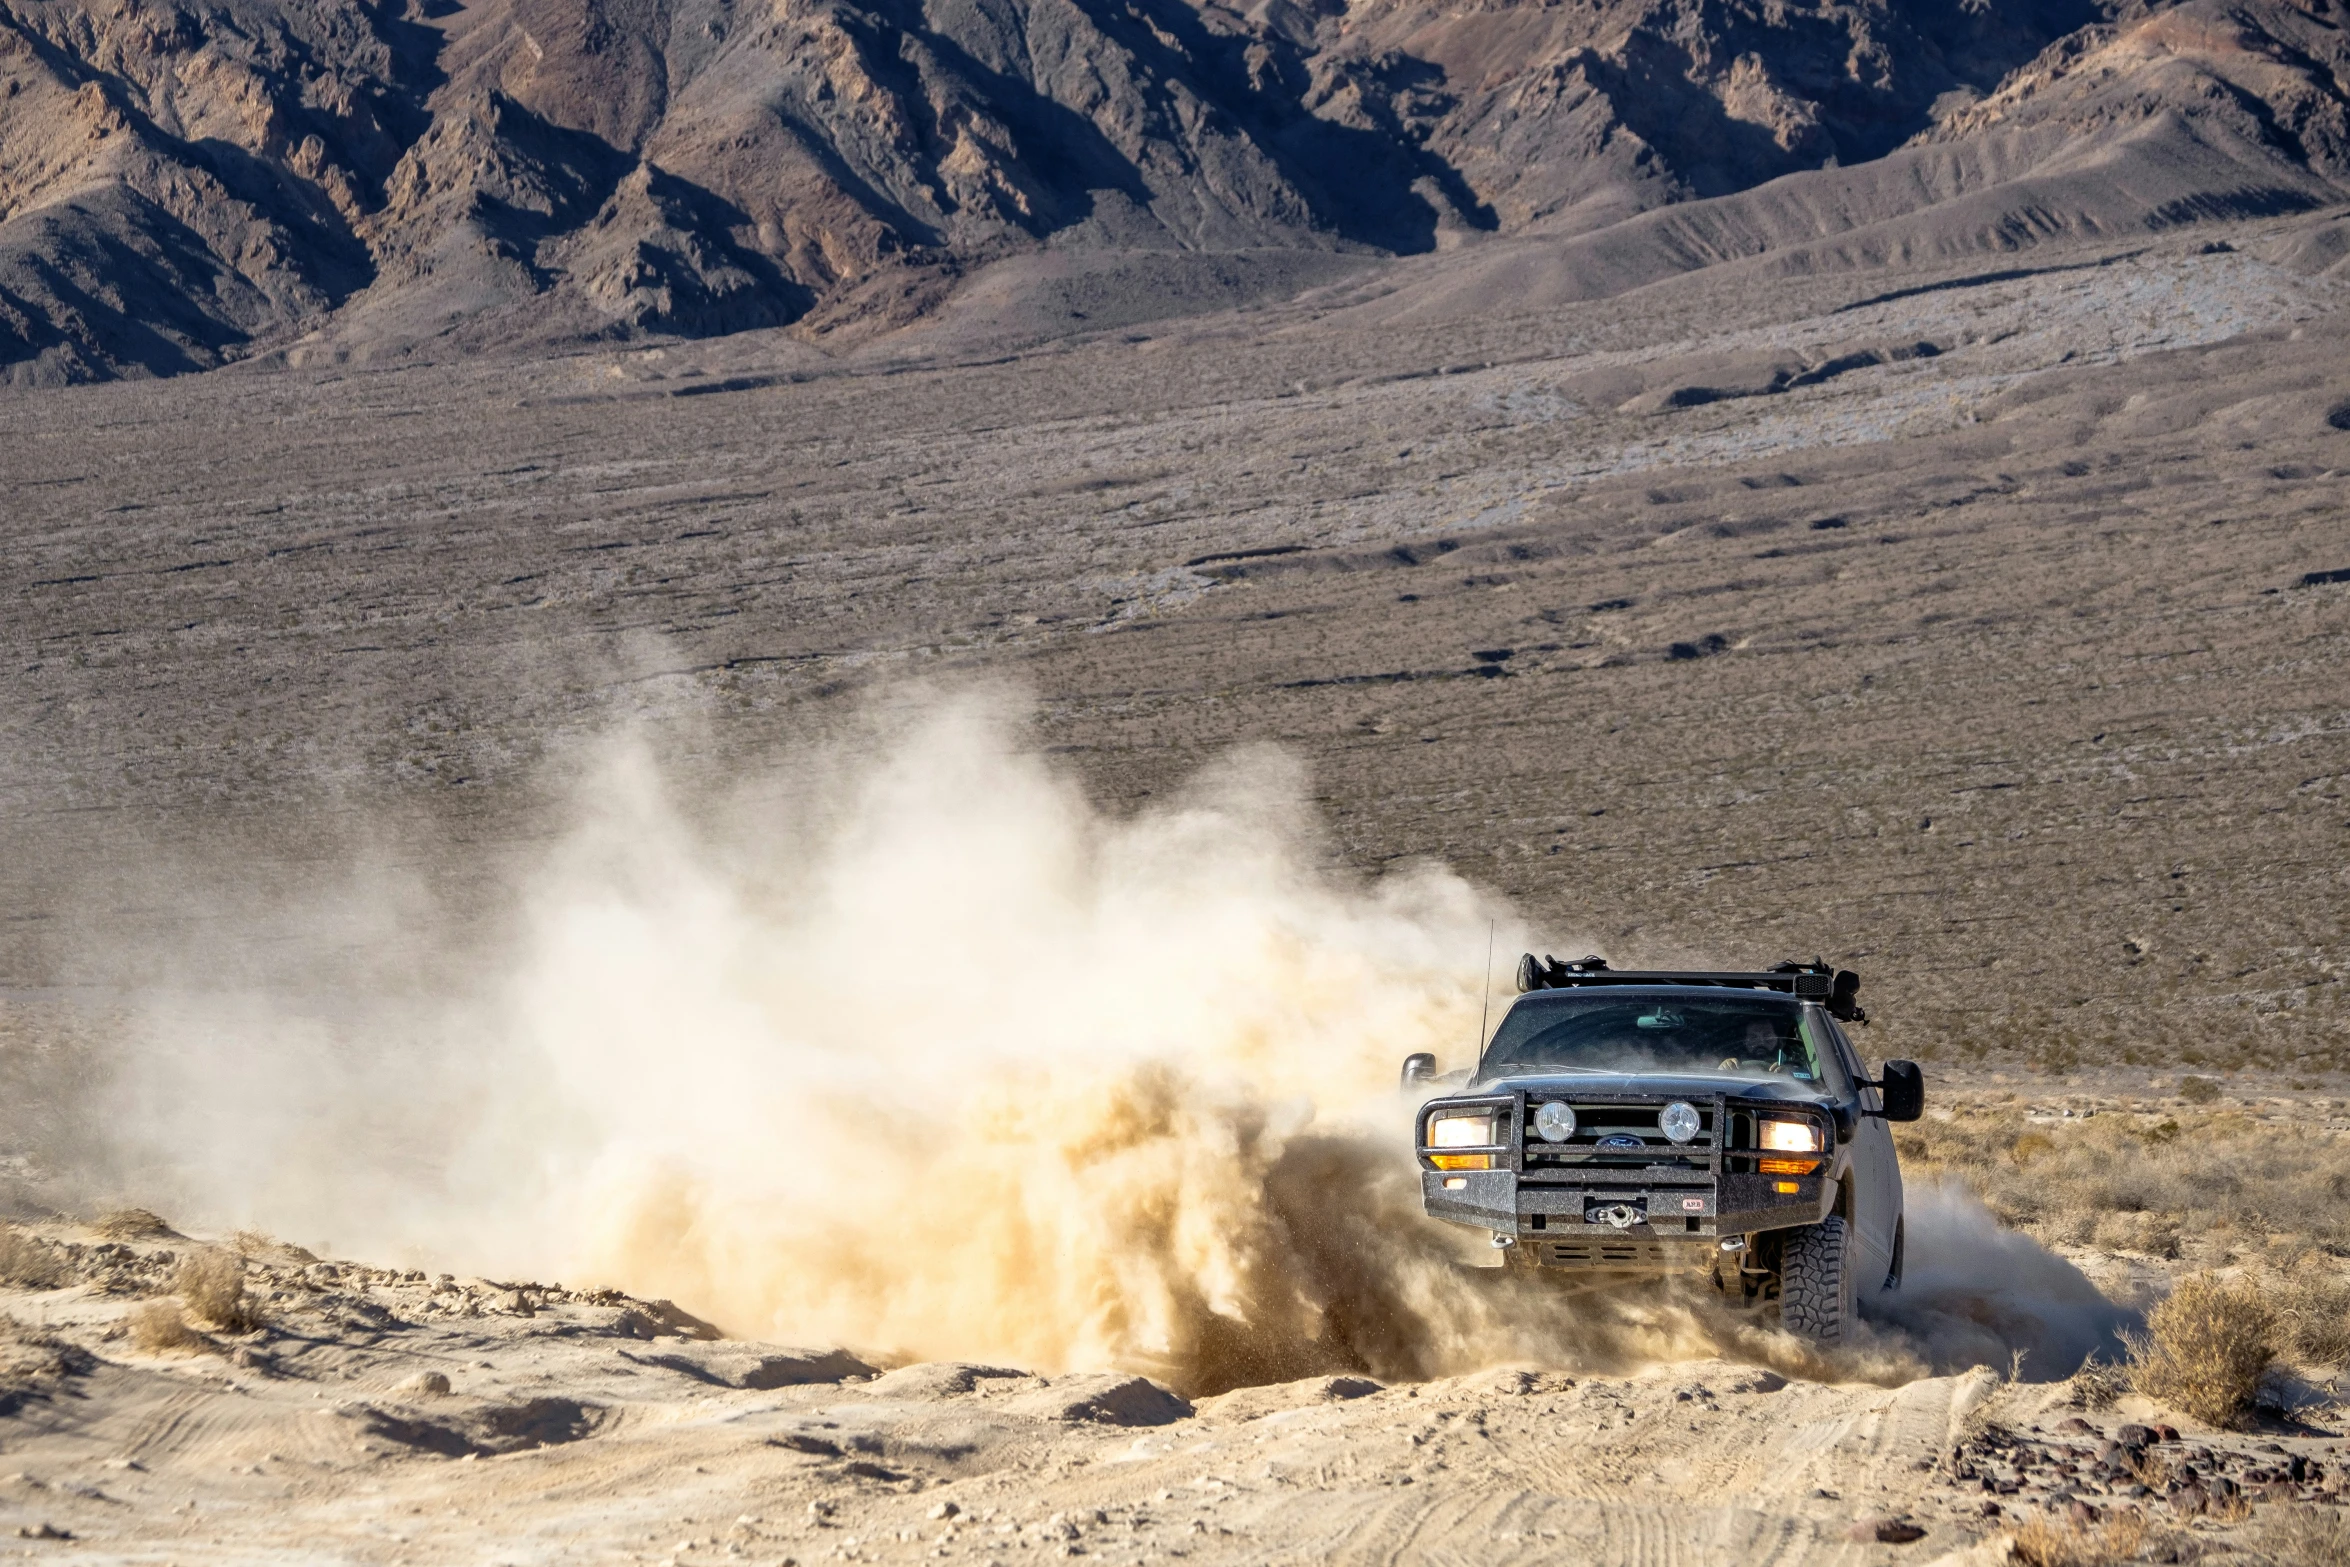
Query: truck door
x: 1876, y: 1176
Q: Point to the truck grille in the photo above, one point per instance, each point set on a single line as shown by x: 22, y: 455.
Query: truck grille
x: 1615, y: 1135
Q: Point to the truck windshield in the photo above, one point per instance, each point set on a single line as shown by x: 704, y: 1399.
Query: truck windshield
x: 1743, y: 1033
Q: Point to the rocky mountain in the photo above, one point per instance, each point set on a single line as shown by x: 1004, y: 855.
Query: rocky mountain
x: 186, y: 182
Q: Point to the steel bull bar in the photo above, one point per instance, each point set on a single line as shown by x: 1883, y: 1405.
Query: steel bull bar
x: 1619, y: 1215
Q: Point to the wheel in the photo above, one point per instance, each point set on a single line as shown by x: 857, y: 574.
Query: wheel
x: 1816, y: 1295
x: 1900, y: 1241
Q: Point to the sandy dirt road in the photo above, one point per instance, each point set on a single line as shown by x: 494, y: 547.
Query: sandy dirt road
x: 385, y: 1416
x: 568, y: 1438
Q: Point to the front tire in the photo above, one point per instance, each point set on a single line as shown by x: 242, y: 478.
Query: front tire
x: 1816, y: 1294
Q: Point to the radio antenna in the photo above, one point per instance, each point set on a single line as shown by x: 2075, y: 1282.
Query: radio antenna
x: 1485, y: 1000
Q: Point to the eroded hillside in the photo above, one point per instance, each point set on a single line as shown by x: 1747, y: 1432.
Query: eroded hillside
x: 185, y: 184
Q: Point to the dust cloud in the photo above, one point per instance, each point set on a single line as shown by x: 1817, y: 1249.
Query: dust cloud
x: 1977, y: 1294
x: 934, y: 1059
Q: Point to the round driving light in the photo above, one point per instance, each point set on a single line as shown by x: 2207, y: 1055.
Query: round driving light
x: 1678, y: 1122
x: 1554, y: 1123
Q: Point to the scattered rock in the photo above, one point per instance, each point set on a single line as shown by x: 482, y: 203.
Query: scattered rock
x: 487, y: 1429
x: 936, y: 1379
x: 425, y: 1384
x: 1105, y: 1398
x: 635, y: 1324
x: 762, y: 1370
x: 1885, y: 1531
x: 674, y: 1318
x: 1254, y: 1403
x: 799, y: 1367
x: 535, y: 1422
x: 1759, y: 1382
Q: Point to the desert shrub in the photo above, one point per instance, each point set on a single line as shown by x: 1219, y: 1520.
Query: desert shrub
x: 2029, y: 1147
x: 2198, y: 1090
x: 2313, y: 1312
x: 2303, y: 1536
x: 27, y: 1263
x: 2043, y: 1541
x: 2206, y: 1348
x: 158, y: 1329
x: 213, y: 1285
x: 2222, y: 1178
x: 2099, y: 1384
x: 2157, y: 1235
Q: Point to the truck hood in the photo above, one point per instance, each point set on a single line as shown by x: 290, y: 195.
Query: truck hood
x: 1653, y: 1085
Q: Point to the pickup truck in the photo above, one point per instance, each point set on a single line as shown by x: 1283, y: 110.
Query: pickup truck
x: 1642, y: 1123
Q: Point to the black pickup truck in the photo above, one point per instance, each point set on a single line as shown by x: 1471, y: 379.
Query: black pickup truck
x: 1722, y: 1124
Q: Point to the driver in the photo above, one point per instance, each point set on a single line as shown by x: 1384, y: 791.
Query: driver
x: 1762, y: 1048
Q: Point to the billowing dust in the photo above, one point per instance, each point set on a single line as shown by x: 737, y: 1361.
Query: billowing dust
x: 938, y: 1061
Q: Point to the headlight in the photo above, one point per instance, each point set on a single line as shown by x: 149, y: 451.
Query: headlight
x: 1461, y: 1131
x: 1472, y: 1130
x: 1678, y: 1121
x: 1791, y: 1136
x: 1554, y: 1123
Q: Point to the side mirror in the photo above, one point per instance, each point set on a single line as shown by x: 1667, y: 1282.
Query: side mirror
x: 1904, y: 1089
x: 1418, y: 1067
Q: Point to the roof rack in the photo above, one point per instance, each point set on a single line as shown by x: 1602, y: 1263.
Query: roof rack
x: 1834, y: 988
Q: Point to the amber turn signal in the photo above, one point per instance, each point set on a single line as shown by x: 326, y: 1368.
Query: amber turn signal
x: 1461, y: 1161
x: 1787, y: 1166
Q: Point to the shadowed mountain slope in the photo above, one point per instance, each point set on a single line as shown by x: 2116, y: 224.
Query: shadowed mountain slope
x: 183, y: 185
x: 2206, y: 113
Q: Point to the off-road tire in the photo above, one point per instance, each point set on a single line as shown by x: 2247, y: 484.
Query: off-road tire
x: 1816, y: 1295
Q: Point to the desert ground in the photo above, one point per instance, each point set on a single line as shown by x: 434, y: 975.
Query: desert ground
x: 380, y: 1414
x: 1979, y: 626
